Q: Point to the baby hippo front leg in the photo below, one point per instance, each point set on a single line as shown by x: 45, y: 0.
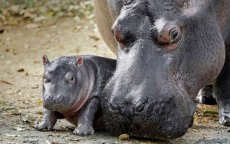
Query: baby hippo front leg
x: 48, y: 121
x: 85, y: 120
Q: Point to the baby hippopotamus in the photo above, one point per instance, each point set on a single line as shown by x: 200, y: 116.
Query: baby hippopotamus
x: 72, y: 87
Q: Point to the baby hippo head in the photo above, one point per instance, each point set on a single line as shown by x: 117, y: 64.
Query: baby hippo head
x: 62, y: 83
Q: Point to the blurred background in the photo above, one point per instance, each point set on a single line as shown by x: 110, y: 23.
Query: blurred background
x: 13, y: 12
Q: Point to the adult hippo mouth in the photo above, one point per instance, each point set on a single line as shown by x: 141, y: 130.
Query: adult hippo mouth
x: 167, y: 51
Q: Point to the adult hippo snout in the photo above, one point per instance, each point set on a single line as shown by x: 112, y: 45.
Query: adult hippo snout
x: 146, y: 94
x: 167, y: 52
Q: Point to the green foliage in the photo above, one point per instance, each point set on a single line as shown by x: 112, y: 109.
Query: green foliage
x: 26, y: 3
x: 210, y: 113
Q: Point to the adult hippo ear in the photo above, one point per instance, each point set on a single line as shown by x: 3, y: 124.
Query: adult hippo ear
x: 79, y: 61
x: 45, y: 60
x: 106, y: 12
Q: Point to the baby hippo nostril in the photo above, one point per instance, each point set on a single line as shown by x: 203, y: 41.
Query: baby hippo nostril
x: 49, y: 97
x: 59, y: 98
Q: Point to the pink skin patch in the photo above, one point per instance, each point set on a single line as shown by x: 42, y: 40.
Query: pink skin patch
x: 74, y: 110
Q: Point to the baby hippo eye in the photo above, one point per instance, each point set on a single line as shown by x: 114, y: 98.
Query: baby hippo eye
x: 46, y: 78
x: 170, y: 34
x: 69, y: 78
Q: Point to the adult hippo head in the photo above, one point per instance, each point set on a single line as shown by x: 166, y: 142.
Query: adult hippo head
x: 167, y: 51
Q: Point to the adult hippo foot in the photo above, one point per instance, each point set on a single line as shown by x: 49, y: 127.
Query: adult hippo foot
x: 224, y: 118
x: 84, y: 130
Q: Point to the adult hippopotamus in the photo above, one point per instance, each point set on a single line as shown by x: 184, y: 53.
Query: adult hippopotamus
x: 167, y: 50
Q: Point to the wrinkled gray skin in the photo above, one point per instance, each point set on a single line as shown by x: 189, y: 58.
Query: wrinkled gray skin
x: 71, y: 89
x: 167, y: 51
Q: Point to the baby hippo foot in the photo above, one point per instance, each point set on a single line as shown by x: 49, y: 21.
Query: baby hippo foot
x: 225, y: 117
x: 84, y: 130
x: 45, y: 125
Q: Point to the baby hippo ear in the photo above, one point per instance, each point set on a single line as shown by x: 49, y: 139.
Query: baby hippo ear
x: 45, y: 60
x: 79, y: 61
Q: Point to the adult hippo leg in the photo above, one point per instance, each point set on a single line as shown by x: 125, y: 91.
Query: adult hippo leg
x: 222, y: 93
x: 222, y: 85
x: 205, y: 96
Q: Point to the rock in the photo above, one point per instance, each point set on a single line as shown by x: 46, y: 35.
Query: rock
x: 6, y: 82
x: 21, y: 70
x: 2, y: 30
x: 94, y: 37
x: 20, y: 129
x: 124, y: 137
x: 35, y: 87
x: 32, y: 26
x: 11, y: 135
x: 15, y: 10
x: 40, y: 19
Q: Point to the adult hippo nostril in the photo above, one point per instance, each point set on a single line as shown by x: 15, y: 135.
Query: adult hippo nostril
x: 139, y: 106
x: 113, y: 107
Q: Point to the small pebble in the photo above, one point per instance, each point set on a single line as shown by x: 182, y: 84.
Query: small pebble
x: 21, y: 70
x: 2, y: 31
x: 124, y: 137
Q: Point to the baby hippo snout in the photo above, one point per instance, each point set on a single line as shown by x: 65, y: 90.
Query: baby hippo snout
x: 48, y: 97
x: 53, y: 99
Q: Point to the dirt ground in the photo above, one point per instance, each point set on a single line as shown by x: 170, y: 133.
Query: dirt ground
x: 21, y: 50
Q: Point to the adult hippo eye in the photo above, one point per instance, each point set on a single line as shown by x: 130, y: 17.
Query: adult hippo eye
x: 71, y: 79
x: 174, y: 34
x: 170, y: 34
